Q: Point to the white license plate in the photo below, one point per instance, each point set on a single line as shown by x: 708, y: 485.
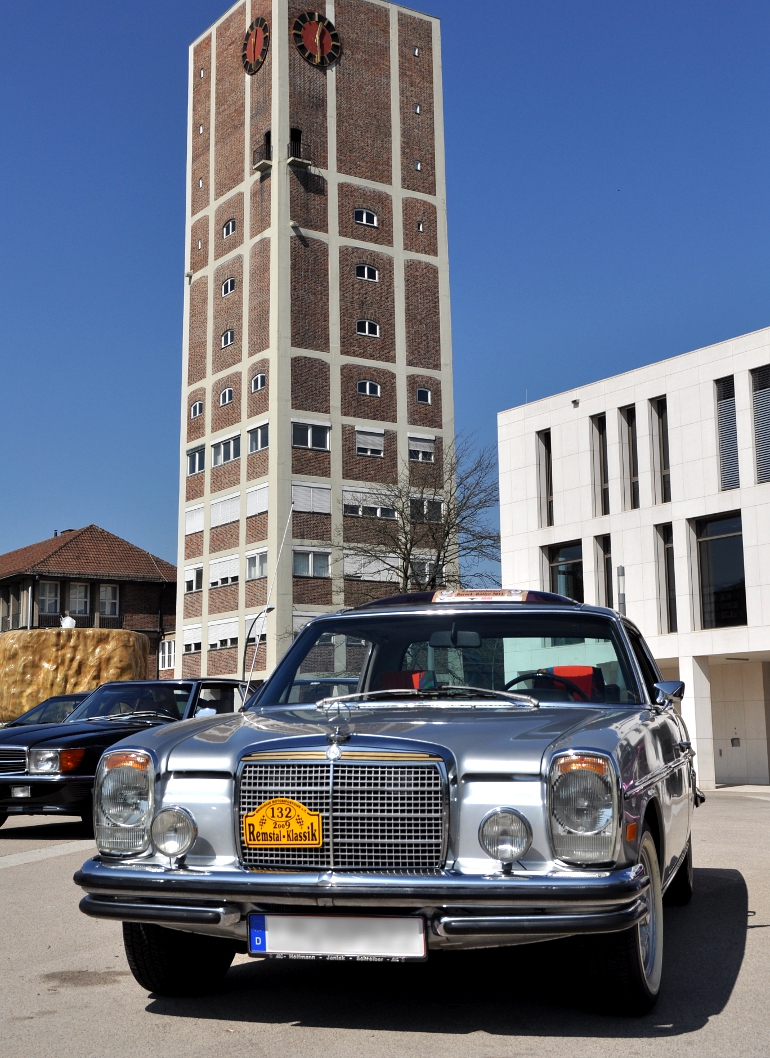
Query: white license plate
x: 337, y: 937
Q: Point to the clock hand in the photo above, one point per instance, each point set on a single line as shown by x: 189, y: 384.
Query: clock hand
x: 318, y: 42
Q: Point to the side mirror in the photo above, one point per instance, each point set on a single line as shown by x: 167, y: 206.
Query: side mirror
x: 669, y: 691
x: 205, y: 711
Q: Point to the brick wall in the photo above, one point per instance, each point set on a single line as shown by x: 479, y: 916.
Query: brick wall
x: 313, y: 591
x: 368, y: 468
x: 416, y: 212
x: 363, y: 91
x: 261, y: 662
x: 228, y: 315
x: 230, y: 414
x: 196, y: 357
x: 310, y: 384
x: 193, y: 604
x: 259, y: 297
x: 352, y: 197
x: 416, y: 86
x: 259, y: 402
x: 229, y: 103
x: 314, y: 464
x: 256, y: 466
x: 193, y: 545
x: 309, y: 201
x: 382, y: 408
x: 191, y: 666
x: 199, y: 233
x: 307, y: 525
x: 232, y: 209
x: 360, y: 299
x: 307, y: 94
x: 423, y: 320
x: 423, y: 414
x: 194, y: 486
x: 260, y: 204
x: 222, y: 662
x: 256, y: 530
x: 358, y: 592
x: 223, y: 599
x: 201, y: 112
x: 223, y: 537
x: 196, y: 427
x: 256, y: 592
x: 364, y: 530
x: 309, y: 294
x: 225, y: 476
x: 261, y: 86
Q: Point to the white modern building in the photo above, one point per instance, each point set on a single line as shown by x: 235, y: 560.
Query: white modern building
x: 650, y: 492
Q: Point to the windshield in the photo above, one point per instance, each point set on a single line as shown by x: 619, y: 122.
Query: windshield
x: 552, y: 657
x: 131, y: 698
x: 52, y: 711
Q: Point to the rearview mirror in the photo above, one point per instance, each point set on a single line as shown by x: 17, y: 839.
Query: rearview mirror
x: 669, y: 691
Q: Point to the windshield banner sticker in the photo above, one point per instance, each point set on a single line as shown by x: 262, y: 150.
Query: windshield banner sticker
x: 282, y: 822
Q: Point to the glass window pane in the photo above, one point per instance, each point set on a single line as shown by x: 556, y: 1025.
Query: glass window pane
x: 320, y: 565
x: 301, y: 564
x: 722, y: 577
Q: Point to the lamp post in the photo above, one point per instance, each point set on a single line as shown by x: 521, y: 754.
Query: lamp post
x: 266, y: 610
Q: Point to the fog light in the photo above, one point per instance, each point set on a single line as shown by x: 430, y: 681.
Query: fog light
x: 505, y: 835
x: 21, y: 791
x: 173, y: 831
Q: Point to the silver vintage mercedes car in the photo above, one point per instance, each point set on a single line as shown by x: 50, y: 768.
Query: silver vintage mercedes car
x: 431, y: 771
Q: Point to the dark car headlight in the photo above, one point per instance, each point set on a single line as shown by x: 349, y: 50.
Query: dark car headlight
x: 583, y: 808
x: 54, y: 761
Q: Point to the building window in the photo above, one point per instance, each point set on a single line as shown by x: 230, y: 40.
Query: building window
x: 229, y: 228
x: 223, y: 634
x: 226, y: 451
x: 417, y: 108
x: 420, y: 226
x: 601, y: 471
x: 566, y: 569
x: 421, y: 510
x: 667, y: 578
x: 223, y: 571
x: 367, y: 272
x: 604, y: 570
x: 193, y: 520
x: 311, y: 563
x: 79, y: 598
x: 416, y: 51
x: 355, y: 505
x: 225, y: 397
x: 228, y: 338
x: 422, y: 571
x: 368, y: 327
x: 312, y: 499
x: 167, y: 654
x: 257, y: 383
x: 200, y: 130
x: 418, y: 166
x: 422, y: 449
x: 630, y: 458
x: 424, y: 396
x: 367, y: 388
x: 259, y: 438
x: 256, y: 566
x: 196, y: 409
x: 48, y: 597
x: 193, y: 579
x: 365, y: 216
x: 760, y: 383
x: 108, y: 600
x: 196, y: 461
x: 545, y: 478
x: 228, y: 287
x: 200, y: 187
x: 200, y: 244
x: 728, y: 434
x: 370, y: 443
x: 192, y: 638
x: 660, y: 453
x: 308, y: 436
x: 720, y: 569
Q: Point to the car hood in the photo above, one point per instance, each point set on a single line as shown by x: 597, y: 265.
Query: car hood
x: 60, y: 736
x: 479, y: 739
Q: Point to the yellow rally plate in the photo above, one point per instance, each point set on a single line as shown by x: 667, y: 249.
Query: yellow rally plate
x: 283, y: 823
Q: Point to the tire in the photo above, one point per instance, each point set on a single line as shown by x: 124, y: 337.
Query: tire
x: 87, y: 824
x: 3, y: 817
x: 680, y: 888
x: 173, y: 963
x: 633, y: 958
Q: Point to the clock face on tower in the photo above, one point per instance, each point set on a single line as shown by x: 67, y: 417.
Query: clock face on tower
x: 318, y: 42
x: 255, y: 45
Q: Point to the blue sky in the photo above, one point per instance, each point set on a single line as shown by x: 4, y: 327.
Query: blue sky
x: 608, y: 206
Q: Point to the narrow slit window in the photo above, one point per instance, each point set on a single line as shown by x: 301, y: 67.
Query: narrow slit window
x: 667, y: 578
x: 760, y: 381
x: 417, y: 108
x: 630, y: 458
x: 727, y: 431
x: 661, y: 456
x: 545, y: 478
x: 604, y: 569
x: 600, y: 465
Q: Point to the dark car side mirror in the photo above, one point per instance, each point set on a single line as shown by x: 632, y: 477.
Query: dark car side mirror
x: 669, y: 691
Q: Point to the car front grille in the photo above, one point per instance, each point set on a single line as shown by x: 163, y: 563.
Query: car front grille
x: 13, y: 760
x: 375, y: 816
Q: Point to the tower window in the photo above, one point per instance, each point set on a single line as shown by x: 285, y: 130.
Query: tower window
x: 424, y: 396
x: 365, y: 216
x: 200, y: 130
x: 416, y: 52
x: 229, y: 228
x: 368, y: 389
x: 311, y: 564
x: 368, y: 327
x: 226, y: 451
x: 418, y: 166
x: 303, y: 435
x: 259, y: 438
x: 225, y: 397
x: 197, y: 409
x: 257, y: 383
x: 196, y: 461
x: 200, y: 181
x: 417, y: 108
x: 228, y: 338
x: 422, y: 449
x: 420, y: 226
x: 200, y: 244
x: 201, y: 73
x: 228, y: 287
x: 367, y: 272
x: 370, y: 443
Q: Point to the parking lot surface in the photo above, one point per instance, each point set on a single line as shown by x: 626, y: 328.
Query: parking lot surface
x: 66, y: 987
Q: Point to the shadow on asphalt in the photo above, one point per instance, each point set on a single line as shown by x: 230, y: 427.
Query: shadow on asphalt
x: 529, y: 990
x: 70, y: 830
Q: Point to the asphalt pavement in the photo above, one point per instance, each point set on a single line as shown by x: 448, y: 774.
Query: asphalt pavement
x: 65, y: 987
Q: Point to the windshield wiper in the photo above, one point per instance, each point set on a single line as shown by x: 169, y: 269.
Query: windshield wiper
x: 427, y: 693
x: 132, y: 716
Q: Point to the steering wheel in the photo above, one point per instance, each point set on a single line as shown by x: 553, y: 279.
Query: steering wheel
x: 567, y: 684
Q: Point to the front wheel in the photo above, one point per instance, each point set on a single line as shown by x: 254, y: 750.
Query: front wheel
x: 173, y: 963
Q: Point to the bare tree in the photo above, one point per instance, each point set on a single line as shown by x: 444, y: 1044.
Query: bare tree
x: 429, y: 528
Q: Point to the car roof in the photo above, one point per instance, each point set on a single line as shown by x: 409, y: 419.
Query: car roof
x: 482, y: 601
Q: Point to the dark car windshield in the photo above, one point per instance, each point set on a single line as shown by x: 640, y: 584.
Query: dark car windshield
x: 572, y: 658
x: 123, y: 700
x: 51, y: 711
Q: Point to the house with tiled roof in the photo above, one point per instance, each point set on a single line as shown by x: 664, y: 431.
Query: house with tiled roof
x: 94, y: 579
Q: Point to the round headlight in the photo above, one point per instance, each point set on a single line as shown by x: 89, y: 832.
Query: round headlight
x: 173, y: 831
x: 125, y: 796
x: 505, y: 835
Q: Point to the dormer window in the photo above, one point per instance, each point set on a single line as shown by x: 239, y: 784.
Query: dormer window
x: 228, y: 338
x: 368, y: 389
x: 196, y: 409
x: 366, y: 217
x: 229, y: 228
x: 369, y: 272
x: 257, y: 383
x: 368, y: 327
x: 228, y: 287
x: 226, y: 397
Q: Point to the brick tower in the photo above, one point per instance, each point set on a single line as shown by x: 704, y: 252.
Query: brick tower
x: 317, y: 348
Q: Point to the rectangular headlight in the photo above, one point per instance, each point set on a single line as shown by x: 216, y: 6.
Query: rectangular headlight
x: 43, y: 761
x: 583, y: 808
x: 124, y: 801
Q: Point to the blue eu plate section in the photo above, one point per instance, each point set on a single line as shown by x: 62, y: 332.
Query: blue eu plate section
x: 257, y: 934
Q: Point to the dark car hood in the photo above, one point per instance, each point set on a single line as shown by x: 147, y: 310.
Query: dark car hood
x: 60, y: 736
